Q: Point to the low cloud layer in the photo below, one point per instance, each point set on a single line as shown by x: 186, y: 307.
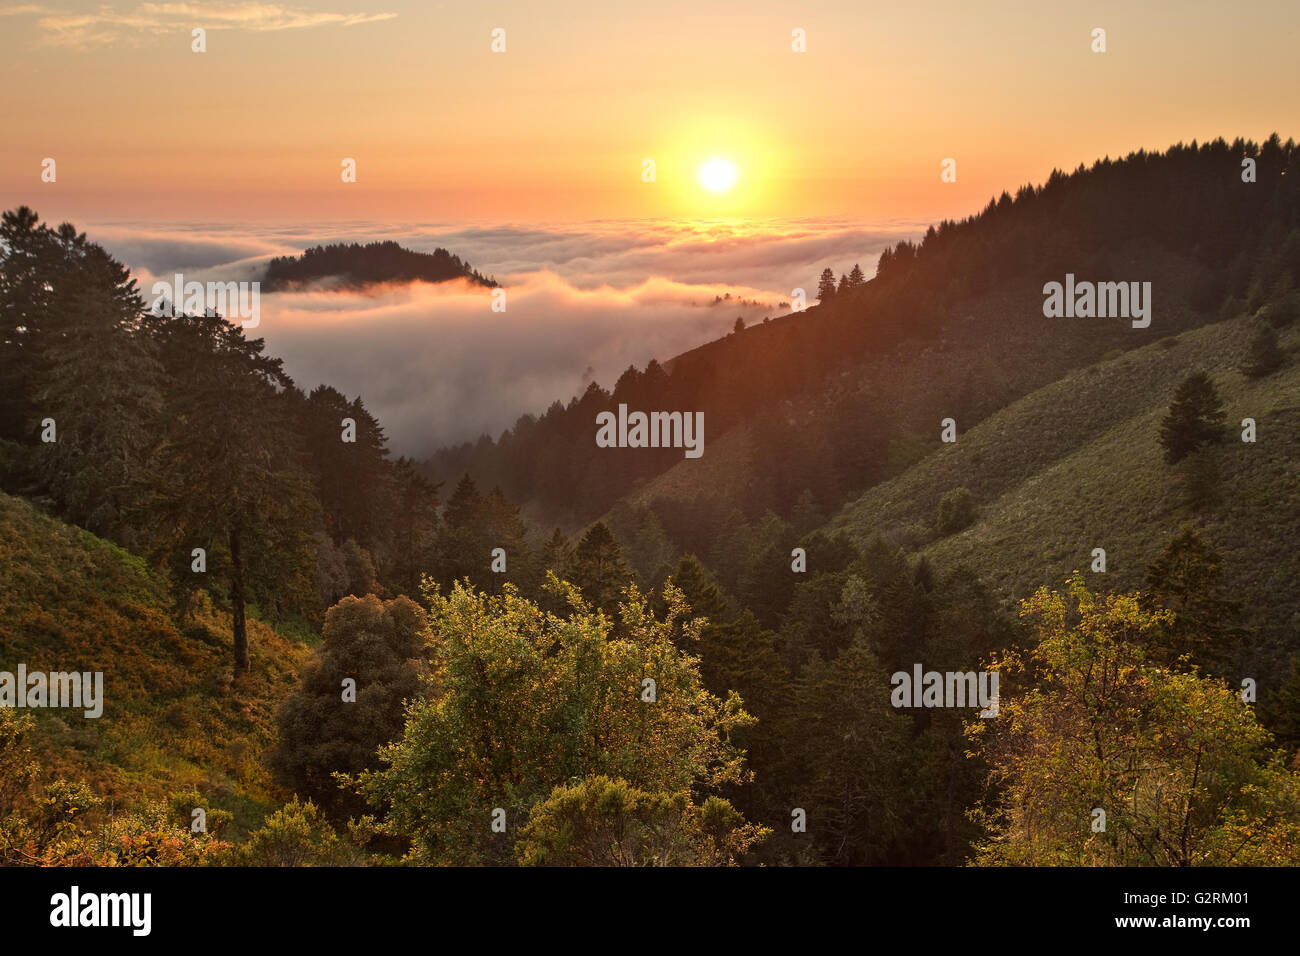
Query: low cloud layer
x: 436, y: 365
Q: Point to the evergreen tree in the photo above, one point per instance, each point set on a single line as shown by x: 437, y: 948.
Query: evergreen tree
x: 1195, y: 418
x: 230, y: 474
x: 826, y: 286
x: 414, y: 517
x: 350, y: 476
x: 598, y: 568
x: 101, y: 387
x: 1187, y: 580
x: 556, y: 552
x: 851, y: 780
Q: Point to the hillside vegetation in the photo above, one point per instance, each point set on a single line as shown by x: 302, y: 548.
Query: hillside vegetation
x: 173, y: 719
x: 1076, y: 465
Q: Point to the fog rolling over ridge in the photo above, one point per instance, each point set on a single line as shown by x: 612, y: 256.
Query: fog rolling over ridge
x: 436, y: 365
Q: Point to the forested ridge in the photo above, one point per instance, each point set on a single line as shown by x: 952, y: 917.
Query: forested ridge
x: 349, y: 658
x: 356, y: 265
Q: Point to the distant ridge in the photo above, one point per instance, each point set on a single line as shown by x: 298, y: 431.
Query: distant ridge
x: 356, y: 265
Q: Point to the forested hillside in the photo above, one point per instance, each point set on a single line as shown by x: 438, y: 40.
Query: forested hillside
x: 344, y: 658
x: 353, y: 265
x: 1211, y: 245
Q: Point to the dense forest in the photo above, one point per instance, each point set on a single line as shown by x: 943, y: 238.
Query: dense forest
x: 342, y: 657
x: 353, y: 265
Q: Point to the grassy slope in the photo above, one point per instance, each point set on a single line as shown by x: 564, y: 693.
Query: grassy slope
x: 173, y: 718
x: 993, y: 347
x: 1076, y: 465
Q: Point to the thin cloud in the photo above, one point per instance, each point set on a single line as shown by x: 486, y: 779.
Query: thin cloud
x: 108, y: 24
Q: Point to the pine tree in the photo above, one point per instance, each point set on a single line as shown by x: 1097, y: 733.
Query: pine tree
x: 230, y: 477
x: 598, y: 568
x: 1195, y: 418
x: 856, y: 278
x: 347, y: 474
x: 1187, y: 579
x: 414, y: 519
x: 102, y: 389
x: 826, y: 286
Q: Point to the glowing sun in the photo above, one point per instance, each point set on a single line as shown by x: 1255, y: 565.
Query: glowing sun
x: 718, y: 175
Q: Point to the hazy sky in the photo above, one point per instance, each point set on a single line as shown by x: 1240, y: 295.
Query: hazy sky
x: 557, y: 127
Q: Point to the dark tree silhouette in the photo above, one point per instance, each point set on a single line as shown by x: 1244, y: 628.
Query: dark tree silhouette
x: 1195, y: 418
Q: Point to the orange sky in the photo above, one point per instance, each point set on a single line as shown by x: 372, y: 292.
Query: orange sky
x: 557, y: 127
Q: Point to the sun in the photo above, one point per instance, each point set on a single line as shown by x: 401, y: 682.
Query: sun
x: 718, y: 175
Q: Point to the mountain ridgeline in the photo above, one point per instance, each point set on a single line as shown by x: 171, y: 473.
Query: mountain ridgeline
x: 834, y: 414
x: 352, y: 265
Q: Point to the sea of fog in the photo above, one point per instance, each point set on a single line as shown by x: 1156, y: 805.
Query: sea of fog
x: 583, y: 301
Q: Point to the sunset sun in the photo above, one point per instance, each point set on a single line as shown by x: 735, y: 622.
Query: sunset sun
x: 718, y: 175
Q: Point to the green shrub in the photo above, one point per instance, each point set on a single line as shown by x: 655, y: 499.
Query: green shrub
x: 956, y: 511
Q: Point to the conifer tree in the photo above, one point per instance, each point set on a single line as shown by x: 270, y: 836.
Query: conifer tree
x: 230, y: 475
x: 1195, y: 418
x: 826, y: 286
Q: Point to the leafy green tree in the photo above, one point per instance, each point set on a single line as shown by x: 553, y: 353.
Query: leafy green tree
x: 604, y: 822
x: 1178, y: 763
x: 376, y: 645
x: 298, y: 834
x: 1195, y: 418
x: 521, y: 702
